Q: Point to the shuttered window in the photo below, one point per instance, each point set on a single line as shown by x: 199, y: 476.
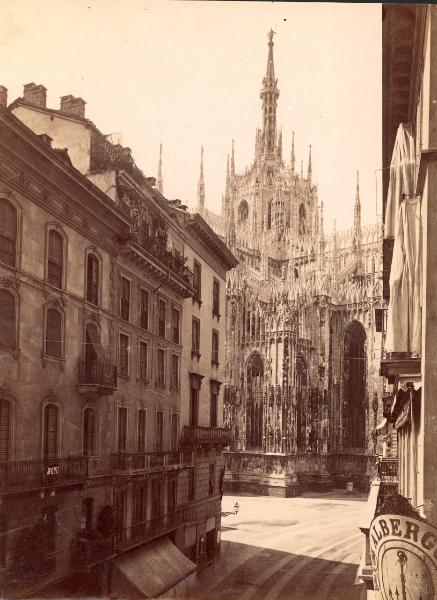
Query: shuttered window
x: 195, y: 337
x: 89, y: 432
x: 176, y: 325
x: 215, y: 298
x: 143, y: 361
x: 55, y: 262
x: 159, y: 431
x: 122, y: 428
x: 125, y: 299
x: 8, y: 232
x: 160, y: 380
x: 215, y: 347
x: 50, y: 431
x: 4, y: 429
x: 175, y: 371
x: 123, y: 359
x: 174, y: 431
x: 8, y: 330
x: 172, y: 495
x: 53, y: 333
x: 141, y: 431
x: 92, y: 279
x: 144, y: 309
x: 161, y: 317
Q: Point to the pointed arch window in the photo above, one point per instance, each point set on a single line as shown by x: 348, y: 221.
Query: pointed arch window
x: 5, y: 427
x: 8, y: 232
x: 92, y: 279
x: 50, y: 431
x: 8, y: 320
x: 302, y: 220
x: 355, y: 369
x: 55, y: 260
x: 54, y: 333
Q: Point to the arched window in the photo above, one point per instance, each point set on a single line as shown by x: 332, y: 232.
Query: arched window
x: 8, y: 320
x: 254, y: 422
x: 301, y: 403
x: 50, y: 431
x: 5, y: 426
x: 89, y: 432
x: 53, y: 336
x: 302, y: 220
x: 243, y: 211
x: 354, y: 407
x: 55, y: 259
x: 8, y: 232
x: 92, y: 279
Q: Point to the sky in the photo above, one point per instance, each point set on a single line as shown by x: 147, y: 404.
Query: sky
x: 187, y: 74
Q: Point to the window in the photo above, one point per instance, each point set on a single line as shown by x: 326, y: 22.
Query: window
x: 122, y: 429
x: 55, y: 261
x: 213, y: 407
x: 141, y: 430
x: 156, y: 498
x: 143, y: 361
x: 215, y: 348
x: 161, y: 317
x: 176, y: 325
x: 159, y: 431
x: 195, y: 343
x: 123, y: 355
x: 89, y: 432
x: 211, y: 485
x: 174, y: 431
x: 175, y: 371
x: 8, y: 232
x: 144, y: 309
x: 138, y: 515
x: 215, y: 298
x: 8, y: 320
x: 172, y: 495
x: 50, y: 432
x: 197, y: 281
x: 125, y: 299
x: 194, y: 406
x: 5, y: 427
x: 161, y: 368
x: 191, y: 483
x: 53, y: 341
x: 87, y: 513
x: 92, y: 279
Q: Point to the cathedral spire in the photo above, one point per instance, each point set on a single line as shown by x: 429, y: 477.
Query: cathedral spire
x: 293, y: 157
x: 310, y: 168
x: 201, y: 187
x: 160, y: 182
x: 269, y: 96
x: 232, y: 161
x: 301, y: 168
x: 357, y: 224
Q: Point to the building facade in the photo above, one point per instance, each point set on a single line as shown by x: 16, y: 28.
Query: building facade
x: 303, y: 324
x: 100, y: 465
x: 405, y: 492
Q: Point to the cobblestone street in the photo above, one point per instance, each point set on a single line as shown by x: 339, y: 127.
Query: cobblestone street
x: 287, y: 549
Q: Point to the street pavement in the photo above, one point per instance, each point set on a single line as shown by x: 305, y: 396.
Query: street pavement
x: 287, y: 549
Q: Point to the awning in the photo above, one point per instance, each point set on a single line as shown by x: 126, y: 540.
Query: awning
x: 402, y: 405
x: 150, y: 571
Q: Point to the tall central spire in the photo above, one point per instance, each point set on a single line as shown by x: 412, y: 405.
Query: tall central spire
x: 269, y: 96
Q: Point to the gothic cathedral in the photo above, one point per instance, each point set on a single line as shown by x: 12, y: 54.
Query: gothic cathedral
x: 303, y: 318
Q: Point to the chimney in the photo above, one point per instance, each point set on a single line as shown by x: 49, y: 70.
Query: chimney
x: 73, y: 106
x: 35, y: 94
x: 3, y: 96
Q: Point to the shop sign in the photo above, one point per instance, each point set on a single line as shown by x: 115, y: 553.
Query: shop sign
x: 404, y: 558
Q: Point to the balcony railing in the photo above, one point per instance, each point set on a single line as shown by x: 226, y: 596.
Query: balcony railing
x: 388, y: 470
x: 90, y: 548
x: 150, y: 461
x: 97, y: 376
x: 28, y: 474
x: 141, y: 532
x: 154, y: 245
x: 207, y: 435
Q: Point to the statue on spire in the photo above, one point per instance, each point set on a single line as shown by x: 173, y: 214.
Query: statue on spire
x: 269, y: 96
x: 293, y: 157
x: 160, y: 182
x: 201, y: 187
x: 310, y: 168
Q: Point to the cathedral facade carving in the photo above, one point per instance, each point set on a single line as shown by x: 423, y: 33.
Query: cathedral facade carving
x: 303, y: 344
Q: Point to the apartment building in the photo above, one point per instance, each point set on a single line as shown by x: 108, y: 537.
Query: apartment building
x: 95, y: 476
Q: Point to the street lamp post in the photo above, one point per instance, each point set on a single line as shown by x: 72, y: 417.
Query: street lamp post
x: 232, y: 512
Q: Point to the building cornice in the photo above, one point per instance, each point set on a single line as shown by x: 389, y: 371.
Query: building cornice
x: 211, y: 240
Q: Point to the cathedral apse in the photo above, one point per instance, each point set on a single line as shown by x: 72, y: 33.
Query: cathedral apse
x: 302, y: 342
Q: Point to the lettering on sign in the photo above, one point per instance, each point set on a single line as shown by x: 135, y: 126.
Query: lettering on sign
x: 404, y: 558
